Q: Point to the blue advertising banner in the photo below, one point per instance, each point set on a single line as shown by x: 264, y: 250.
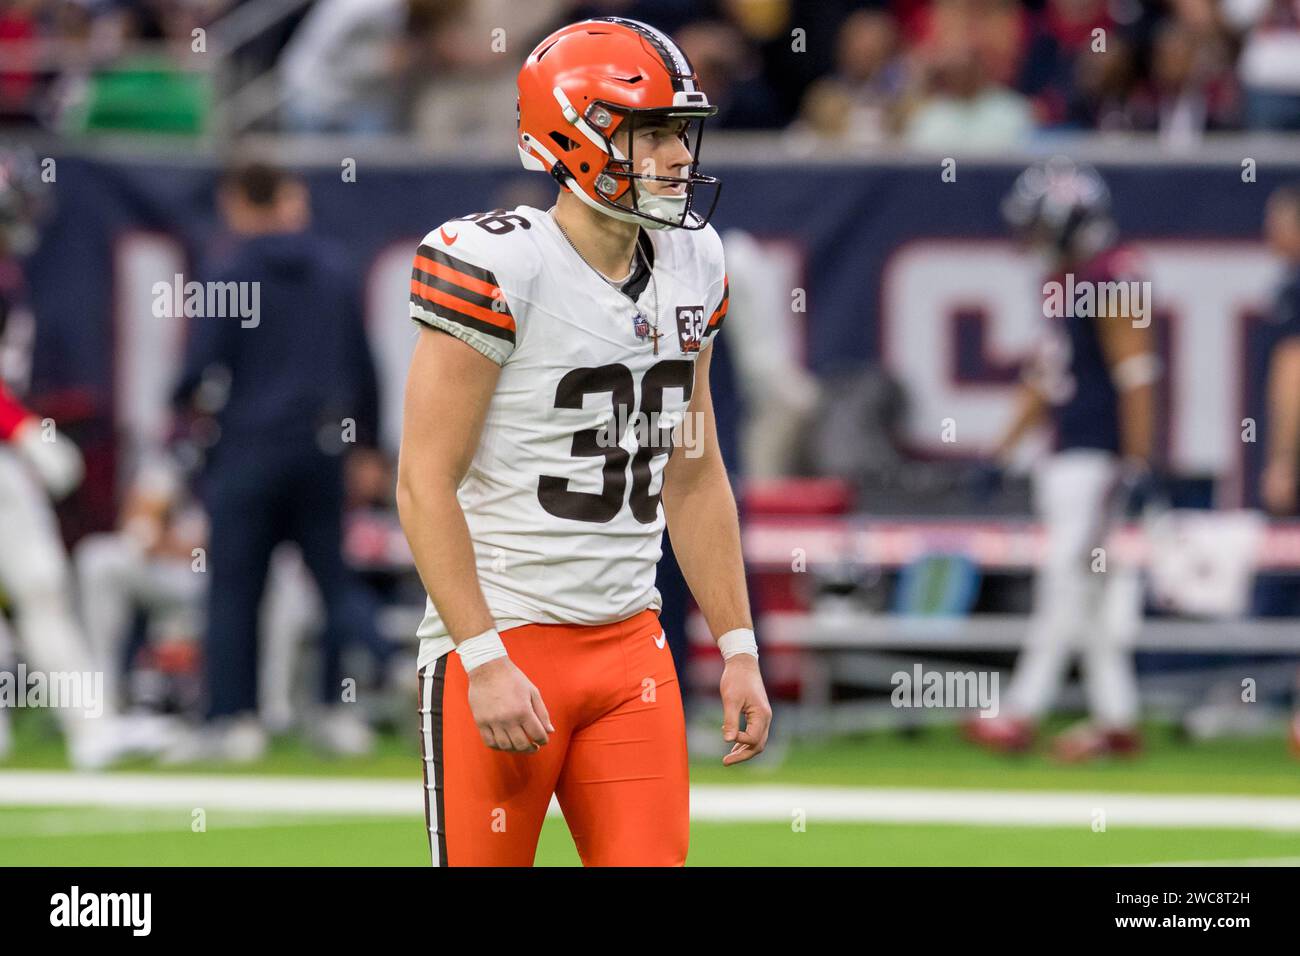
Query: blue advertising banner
x: 888, y: 264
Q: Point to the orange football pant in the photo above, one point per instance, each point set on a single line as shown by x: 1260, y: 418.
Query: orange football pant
x: 616, y: 763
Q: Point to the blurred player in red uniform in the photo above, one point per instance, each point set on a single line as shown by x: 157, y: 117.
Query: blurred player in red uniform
x: 37, y: 464
x: 1093, y: 379
x: 559, y: 353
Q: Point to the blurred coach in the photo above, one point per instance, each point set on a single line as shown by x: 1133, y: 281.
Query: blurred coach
x: 298, y: 390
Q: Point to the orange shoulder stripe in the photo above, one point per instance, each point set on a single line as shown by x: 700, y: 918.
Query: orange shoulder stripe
x: 425, y: 264
x: 503, y: 320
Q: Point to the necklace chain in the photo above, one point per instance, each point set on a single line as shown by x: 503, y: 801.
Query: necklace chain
x: 654, y: 285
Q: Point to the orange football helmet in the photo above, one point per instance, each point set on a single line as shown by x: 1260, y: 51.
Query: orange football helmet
x: 587, y: 81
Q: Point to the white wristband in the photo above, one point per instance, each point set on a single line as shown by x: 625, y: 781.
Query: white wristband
x: 478, y: 650
x: 739, y: 641
x: 1136, y: 371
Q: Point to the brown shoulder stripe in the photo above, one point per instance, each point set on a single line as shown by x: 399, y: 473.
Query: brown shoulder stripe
x: 456, y: 309
x: 435, y: 262
x: 460, y: 292
x: 494, y: 299
x: 720, y: 313
x: 441, y: 256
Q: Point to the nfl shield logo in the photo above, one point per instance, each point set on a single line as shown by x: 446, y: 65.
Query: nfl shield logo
x: 640, y: 325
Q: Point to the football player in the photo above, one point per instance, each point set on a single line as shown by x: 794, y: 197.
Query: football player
x: 1093, y: 379
x: 560, y: 352
x: 37, y: 464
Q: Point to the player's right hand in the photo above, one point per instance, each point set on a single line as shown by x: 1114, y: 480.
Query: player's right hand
x: 507, y: 708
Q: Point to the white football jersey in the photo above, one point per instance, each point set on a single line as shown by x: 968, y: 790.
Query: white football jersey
x: 562, y: 495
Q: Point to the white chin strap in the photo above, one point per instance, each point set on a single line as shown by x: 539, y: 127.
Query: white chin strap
x: 671, y: 208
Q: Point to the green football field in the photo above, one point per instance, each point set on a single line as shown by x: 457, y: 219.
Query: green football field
x: 122, y: 838
x: 833, y: 804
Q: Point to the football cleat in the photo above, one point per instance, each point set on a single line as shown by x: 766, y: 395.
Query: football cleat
x: 231, y: 740
x: 341, y: 733
x: 1084, y: 742
x: 1008, y: 735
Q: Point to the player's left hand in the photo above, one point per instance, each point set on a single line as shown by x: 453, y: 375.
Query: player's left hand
x: 743, y: 693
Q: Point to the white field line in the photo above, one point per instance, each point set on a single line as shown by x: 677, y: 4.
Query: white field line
x: 388, y: 797
x: 400, y: 798
x: 996, y: 808
x: 1254, y: 861
x: 95, y: 821
x: 301, y: 795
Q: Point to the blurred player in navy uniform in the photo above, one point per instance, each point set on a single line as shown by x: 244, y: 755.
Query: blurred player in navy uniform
x: 1093, y: 379
x: 299, y: 387
x: 1281, y: 471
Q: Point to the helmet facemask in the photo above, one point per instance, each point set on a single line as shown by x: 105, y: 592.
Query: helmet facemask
x: 624, y: 190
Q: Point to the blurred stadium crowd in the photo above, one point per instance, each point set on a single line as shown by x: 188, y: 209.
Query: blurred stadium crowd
x: 921, y: 73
